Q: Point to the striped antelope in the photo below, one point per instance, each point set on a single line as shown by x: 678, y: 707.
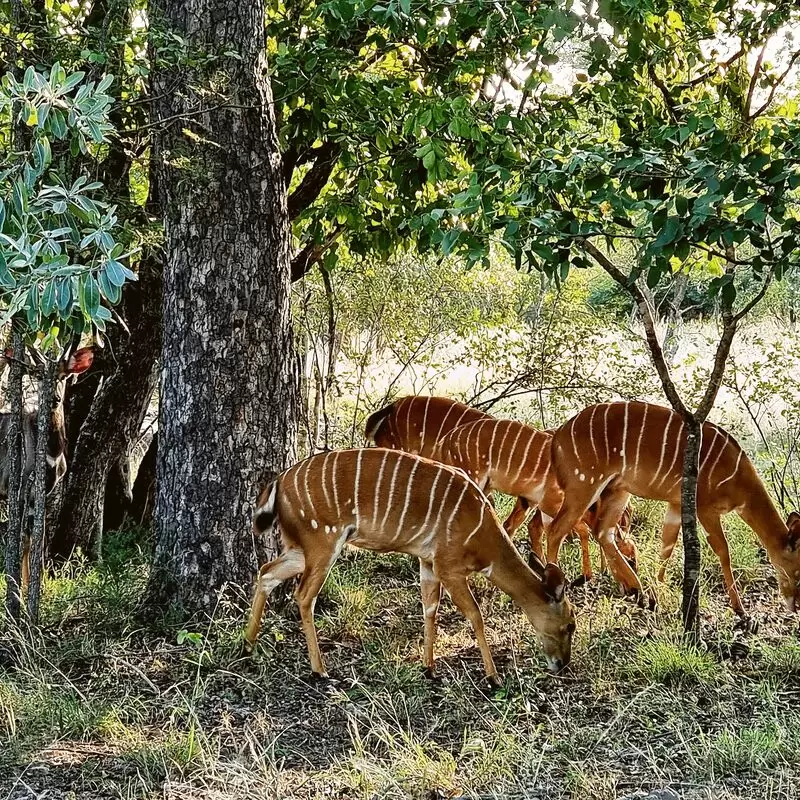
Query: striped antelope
x: 390, y: 501
x: 70, y: 365
x: 417, y: 423
x: 613, y: 450
x: 514, y: 458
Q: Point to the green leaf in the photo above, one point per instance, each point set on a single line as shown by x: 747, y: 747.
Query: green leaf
x: 672, y: 227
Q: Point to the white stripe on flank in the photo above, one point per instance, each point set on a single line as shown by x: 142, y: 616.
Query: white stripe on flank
x: 624, y: 447
x: 605, y: 431
x: 437, y: 523
x: 356, y: 504
x: 708, y: 454
x: 305, y: 484
x: 390, y: 497
x: 719, y: 456
x: 442, y: 424
x: 491, y: 444
x: 591, y: 431
x: 524, y: 455
x: 572, y: 437
x: 735, y: 469
x: 639, y: 441
x: 324, y: 480
x: 409, y: 446
x: 671, y: 416
x: 406, y: 499
x: 535, y: 469
x: 335, y: 480
x: 503, y: 444
x: 455, y: 510
x: 378, y: 489
x: 478, y: 526
x: 430, y: 501
x: 674, y: 455
x: 424, y: 425
x: 514, y: 446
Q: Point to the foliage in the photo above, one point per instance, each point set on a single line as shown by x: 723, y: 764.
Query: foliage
x: 60, y: 263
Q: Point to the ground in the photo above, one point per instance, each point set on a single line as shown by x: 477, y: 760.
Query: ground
x: 98, y: 705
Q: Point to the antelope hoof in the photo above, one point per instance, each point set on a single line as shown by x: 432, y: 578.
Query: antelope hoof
x: 494, y: 682
x: 247, y: 648
x: 429, y: 673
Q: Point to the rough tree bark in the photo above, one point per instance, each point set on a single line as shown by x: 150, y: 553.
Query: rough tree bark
x: 228, y: 383
x: 16, y: 522
x: 43, y: 417
x: 115, y: 416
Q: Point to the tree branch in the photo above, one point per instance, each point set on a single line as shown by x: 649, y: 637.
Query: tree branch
x: 709, y: 73
x: 646, y: 314
x: 669, y: 100
x: 311, y: 254
x: 754, y: 80
x: 775, y: 87
x: 315, y: 180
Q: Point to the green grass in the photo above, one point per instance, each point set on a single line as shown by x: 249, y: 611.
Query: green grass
x: 99, y: 699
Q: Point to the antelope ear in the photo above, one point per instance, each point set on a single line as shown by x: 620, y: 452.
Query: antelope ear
x: 554, y: 583
x: 79, y: 361
x: 536, y: 563
x: 793, y: 523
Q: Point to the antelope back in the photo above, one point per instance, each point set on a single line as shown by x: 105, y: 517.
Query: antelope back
x: 380, y: 499
x: 510, y: 456
x: 416, y: 423
x: 643, y: 443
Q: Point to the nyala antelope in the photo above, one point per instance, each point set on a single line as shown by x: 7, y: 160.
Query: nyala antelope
x: 418, y: 423
x: 514, y: 458
x: 70, y: 365
x: 613, y: 450
x: 390, y: 501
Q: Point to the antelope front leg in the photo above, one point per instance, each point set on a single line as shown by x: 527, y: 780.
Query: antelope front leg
x: 460, y: 593
x: 431, y: 591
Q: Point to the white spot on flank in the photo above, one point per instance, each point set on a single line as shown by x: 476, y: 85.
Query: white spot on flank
x: 314, y: 524
x: 581, y: 477
x: 333, y: 529
x: 591, y: 481
x: 302, y: 514
x: 577, y: 471
x: 327, y: 529
x: 354, y: 510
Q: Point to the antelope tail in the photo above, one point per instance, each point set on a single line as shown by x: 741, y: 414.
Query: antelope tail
x: 267, y: 509
x: 375, y: 421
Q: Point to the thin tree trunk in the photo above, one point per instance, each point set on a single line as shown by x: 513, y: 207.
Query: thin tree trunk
x: 14, y: 528
x: 229, y: 381
x: 691, y: 541
x: 115, y: 417
x: 43, y: 424
x: 144, y: 487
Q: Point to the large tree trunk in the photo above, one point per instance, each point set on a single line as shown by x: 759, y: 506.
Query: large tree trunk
x: 228, y: 384
x: 115, y: 417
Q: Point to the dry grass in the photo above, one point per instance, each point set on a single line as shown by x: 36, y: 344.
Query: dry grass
x: 98, y: 706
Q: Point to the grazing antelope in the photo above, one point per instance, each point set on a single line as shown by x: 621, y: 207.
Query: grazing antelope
x: 612, y: 450
x: 69, y: 365
x: 390, y: 501
x: 514, y: 458
x: 417, y: 424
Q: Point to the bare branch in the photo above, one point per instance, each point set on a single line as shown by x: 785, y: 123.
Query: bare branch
x: 781, y: 78
x: 315, y: 180
x: 754, y: 79
x: 646, y: 313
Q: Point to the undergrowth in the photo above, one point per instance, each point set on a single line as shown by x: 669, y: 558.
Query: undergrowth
x: 98, y: 703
